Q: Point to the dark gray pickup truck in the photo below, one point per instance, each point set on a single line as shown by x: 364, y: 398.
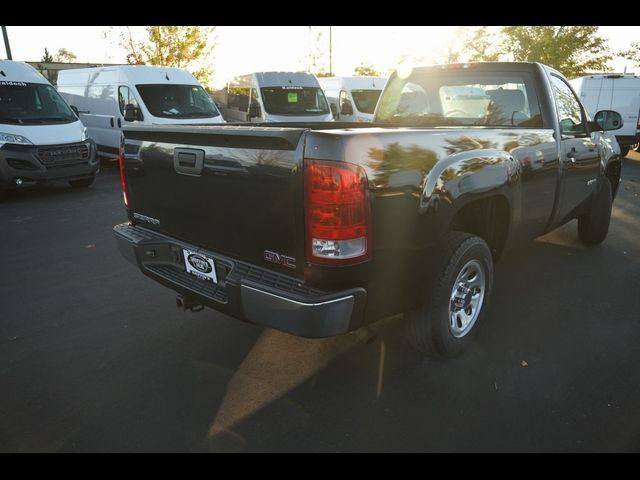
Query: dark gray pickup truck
x: 320, y: 229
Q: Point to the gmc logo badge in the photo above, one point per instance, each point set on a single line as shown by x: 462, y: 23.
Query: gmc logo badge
x: 279, y: 259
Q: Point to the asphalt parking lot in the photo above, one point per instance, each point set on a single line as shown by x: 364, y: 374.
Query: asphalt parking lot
x: 95, y: 357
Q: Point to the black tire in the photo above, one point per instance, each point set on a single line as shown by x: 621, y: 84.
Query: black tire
x: 593, y: 226
x: 624, y: 151
x: 636, y: 147
x: 429, y: 328
x: 84, y: 183
x: 4, y: 194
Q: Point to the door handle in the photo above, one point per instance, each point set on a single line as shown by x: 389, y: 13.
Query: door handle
x: 111, y: 122
x: 119, y: 123
x: 571, y: 155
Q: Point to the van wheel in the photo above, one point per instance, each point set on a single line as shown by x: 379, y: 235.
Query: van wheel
x: 636, y: 147
x: 84, y: 183
x: 445, y: 325
x: 624, y: 151
x: 593, y: 226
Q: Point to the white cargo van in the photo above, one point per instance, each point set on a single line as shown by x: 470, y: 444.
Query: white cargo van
x: 152, y: 95
x: 275, y: 97
x: 41, y: 138
x: 619, y: 92
x: 353, y: 99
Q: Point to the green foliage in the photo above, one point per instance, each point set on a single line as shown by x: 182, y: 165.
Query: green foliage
x: 47, y: 57
x: 633, y: 53
x: 571, y: 50
x: 173, y: 46
x: 65, y: 55
x: 366, y: 69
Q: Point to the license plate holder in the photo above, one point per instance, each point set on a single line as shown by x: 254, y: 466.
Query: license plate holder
x: 200, y: 265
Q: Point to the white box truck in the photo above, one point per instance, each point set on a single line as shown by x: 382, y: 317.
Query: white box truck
x: 41, y: 138
x: 152, y: 95
x: 274, y: 97
x: 353, y: 99
x: 619, y: 92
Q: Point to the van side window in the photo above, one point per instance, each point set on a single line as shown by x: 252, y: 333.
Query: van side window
x: 254, y: 96
x: 126, y: 97
x: 238, y: 98
x: 569, y: 111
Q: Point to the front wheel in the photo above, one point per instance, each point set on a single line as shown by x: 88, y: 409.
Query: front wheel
x: 445, y: 325
x: 84, y: 183
x: 593, y: 226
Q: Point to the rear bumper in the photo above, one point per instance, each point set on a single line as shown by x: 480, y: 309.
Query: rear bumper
x: 23, y: 162
x: 244, y: 291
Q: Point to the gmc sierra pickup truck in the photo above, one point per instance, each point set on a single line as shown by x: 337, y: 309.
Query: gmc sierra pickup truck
x: 320, y: 229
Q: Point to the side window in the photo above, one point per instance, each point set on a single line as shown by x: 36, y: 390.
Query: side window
x: 254, y: 96
x: 126, y: 97
x: 569, y: 111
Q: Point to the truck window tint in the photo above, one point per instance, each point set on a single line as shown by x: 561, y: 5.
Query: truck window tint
x: 294, y: 101
x: 366, y: 100
x: 177, y: 101
x: 569, y: 111
x: 500, y: 99
x: 32, y: 103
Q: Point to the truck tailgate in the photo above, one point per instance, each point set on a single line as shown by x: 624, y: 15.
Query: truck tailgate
x: 236, y: 191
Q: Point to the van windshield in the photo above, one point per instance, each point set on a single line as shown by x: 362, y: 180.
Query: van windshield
x: 294, y: 101
x: 178, y: 101
x: 24, y: 103
x: 366, y: 99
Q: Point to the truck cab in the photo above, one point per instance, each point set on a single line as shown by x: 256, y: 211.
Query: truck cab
x: 267, y: 97
x: 41, y: 138
x: 153, y: 95
x: 353, y: 99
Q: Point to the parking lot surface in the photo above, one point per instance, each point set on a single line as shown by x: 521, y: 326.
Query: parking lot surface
x: 95, y: 357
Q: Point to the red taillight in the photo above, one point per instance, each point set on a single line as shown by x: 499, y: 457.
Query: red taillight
x: 123, y: 180
x: 337, y: 213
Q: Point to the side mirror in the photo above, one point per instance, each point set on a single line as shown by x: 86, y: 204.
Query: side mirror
x: 75, y: 110
x: 132, y: 113
x: 334, y: 110
x: 346, y: 108
x: 608, y: 120
x: 254, y: 110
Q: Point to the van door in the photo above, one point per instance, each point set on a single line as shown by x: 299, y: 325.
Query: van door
x: 100, y: 118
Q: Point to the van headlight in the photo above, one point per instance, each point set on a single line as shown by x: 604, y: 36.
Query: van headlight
x: 85, y: 135
x: 13, y: 139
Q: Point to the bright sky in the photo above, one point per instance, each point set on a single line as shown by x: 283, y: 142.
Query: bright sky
x: 242, y: 50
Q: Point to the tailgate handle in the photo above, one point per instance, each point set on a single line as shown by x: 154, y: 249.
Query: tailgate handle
x: 188, y: 161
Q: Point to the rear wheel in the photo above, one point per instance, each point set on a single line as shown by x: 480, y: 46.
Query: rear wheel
x: 636, y: 147
x: 445, y: 325
x: 593, y: 226
x: 84, y: 183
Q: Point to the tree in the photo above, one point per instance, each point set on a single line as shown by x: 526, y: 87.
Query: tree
x: 571, y: 50
x: 47, y: 57
x: 317, y: 51
x: 172, y: 46
x: 481, y: 44
x: 65, y: 55
x: 633, y: 53
x: 366, y: 69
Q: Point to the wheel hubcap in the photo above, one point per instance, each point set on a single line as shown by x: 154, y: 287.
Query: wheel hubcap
x: 467, y: 296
